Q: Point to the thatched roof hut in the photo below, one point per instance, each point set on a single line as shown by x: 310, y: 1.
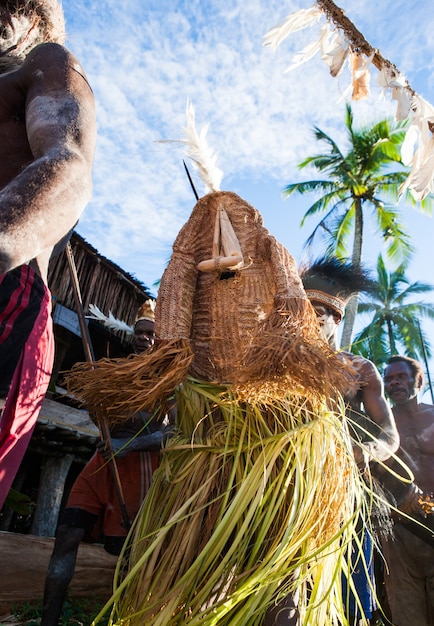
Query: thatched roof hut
x: 64, y: 437
x: 102, y: 282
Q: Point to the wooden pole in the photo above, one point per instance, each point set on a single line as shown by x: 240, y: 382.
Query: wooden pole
x: 90, y: 358
x: 355, y: 37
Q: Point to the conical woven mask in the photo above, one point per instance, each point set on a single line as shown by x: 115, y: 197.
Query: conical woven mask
x: 230, y: 316
x: 250, y: 325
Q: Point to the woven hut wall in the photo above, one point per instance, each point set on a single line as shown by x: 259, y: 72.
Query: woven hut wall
x: 102, y: 282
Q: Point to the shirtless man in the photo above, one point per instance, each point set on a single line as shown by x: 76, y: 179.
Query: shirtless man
x: 329, y: 284
x: 409, y: 578
x: 47, y: 137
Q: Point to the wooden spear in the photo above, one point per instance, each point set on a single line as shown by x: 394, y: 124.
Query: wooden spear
x: 90, y: 358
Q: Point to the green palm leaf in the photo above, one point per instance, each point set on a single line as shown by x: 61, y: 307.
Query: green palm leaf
x: 362, y: 186
x: 394, y: 325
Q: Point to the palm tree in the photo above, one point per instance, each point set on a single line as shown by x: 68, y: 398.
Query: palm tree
x: 394, y: 327
x: 357, y: 180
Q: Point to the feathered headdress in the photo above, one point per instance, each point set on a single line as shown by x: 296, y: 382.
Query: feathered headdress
x: 146, y: 311
x: 110, y: 321
x: 332, y: 282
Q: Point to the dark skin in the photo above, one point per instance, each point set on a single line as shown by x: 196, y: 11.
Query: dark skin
x: 370, y: 395
x: 415, y: 422
x: 47, y: 138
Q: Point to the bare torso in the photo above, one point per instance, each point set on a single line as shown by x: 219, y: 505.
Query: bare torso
x: 15, y: 151
x: 47, y: 136
x: 416, y: 428
x: 369, y: 400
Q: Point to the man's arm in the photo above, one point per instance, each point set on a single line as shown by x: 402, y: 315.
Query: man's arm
x: 150, y: 442
x: 45, y: 200
x: 378, y: 410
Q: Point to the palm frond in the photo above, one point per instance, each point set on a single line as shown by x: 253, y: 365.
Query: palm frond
x: 389, y: 306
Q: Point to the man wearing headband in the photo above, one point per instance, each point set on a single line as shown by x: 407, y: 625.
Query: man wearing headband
x: 329, y: 284
x: 47, y: 128
x: 93, y: 506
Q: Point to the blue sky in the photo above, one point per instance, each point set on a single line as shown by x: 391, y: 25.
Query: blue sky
x: 146, y: 58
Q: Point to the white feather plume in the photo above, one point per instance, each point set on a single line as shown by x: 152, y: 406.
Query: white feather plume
x: 301, y: 57
x: 334, y: 50
x: 418, y: 150
x: 199, y: 151
x: 333, y: 47
x: 110, y: 322
x: 291, y: 24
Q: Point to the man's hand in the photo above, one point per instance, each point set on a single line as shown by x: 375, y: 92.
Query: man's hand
x: 412, y: 503
x: 138, y: 443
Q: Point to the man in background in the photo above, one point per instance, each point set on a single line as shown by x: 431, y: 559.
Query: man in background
x: 409, y: 554
x: 47, y: 130
x: 93, y: 507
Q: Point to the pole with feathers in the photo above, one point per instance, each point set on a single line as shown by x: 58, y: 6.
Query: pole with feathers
x: 90, y: 358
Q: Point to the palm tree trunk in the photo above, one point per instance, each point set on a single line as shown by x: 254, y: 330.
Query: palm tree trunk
x: 391, y: 337
x: 351, y: 308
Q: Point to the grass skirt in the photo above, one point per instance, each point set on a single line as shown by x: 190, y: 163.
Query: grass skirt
x: 252, y: 501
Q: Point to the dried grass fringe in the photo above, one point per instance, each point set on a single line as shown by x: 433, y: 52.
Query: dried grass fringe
x: 250, y: 503
x: 287, y: 344
x: 114, y: 390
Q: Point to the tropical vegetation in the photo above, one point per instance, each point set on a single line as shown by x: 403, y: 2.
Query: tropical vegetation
x: 359, y: 180
x: 394, y: 327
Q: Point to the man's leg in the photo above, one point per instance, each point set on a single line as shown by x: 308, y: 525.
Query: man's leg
x: 409, y: 561
x: 60, y: 572
x: 285, y: 613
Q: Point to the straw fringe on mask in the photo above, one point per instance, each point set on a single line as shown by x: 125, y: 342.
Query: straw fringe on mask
x: 249, y: 325
x: 252, y: 501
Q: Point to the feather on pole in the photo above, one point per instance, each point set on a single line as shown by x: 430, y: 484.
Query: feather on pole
x: 334, y: 51
x: 198, y: 150
x: 420, y: 181
x: 360, y: 74
x: 291, y: 24
x: 418, y: 150
x: 110, y: 322
x: 390, y: 79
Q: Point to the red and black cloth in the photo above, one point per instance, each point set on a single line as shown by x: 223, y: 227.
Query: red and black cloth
x: 26, y: 358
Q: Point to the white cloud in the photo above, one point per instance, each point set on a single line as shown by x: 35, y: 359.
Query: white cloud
x: 144, y: 59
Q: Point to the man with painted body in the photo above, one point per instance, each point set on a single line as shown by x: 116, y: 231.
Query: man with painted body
x: 93, y: 507
x: 47, y: 132
x: 409, y: 575
x: 329, y: 285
